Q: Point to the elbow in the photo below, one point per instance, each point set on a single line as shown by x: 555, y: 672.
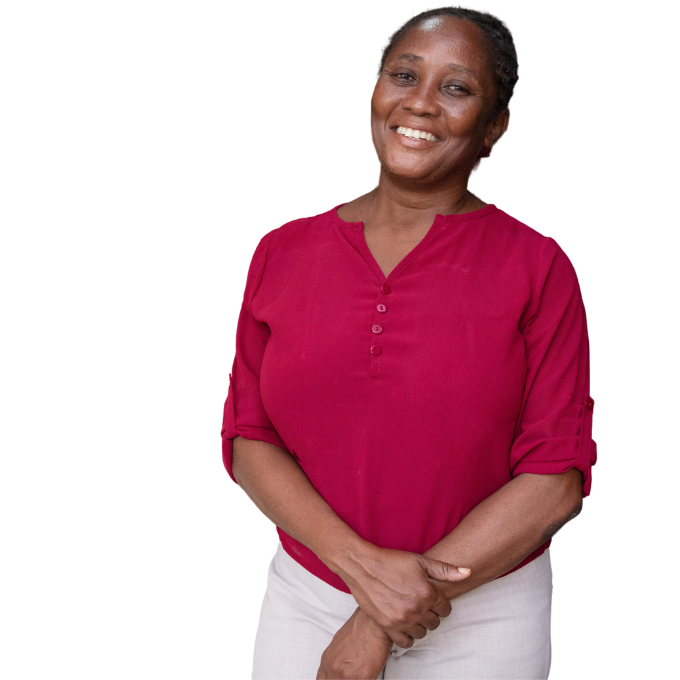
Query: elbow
x: 574, y: 494
x: 568, y: 501
x: 559, y: 520
x: 575, y: 508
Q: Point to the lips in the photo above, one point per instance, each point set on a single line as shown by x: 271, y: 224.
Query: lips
x: 417, y: 134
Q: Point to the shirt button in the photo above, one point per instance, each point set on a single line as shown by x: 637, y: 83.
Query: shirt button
x: 375, y: 350
x: 385, y: 289
x: 589, y: 404
x: 382, y: 308
x: 377, y: 329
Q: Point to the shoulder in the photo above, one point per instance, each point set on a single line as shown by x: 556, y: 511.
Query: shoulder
x: 554, y: 279
x: 300, y: 231
x: 296, y: 237
x: 518, y: 231
x: 516, y: 226
x: 544, y: 264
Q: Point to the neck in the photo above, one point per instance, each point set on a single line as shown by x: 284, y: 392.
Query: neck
x: 409, y: 206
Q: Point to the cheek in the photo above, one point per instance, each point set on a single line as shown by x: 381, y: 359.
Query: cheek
x: 467, y: 126
x: 386, y: 97
x: 375, y: 112
x: 381, y: 108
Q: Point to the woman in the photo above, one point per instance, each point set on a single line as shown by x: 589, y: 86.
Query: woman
x: 410, y: 396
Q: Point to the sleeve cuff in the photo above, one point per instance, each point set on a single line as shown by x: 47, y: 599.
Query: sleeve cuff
x: 549, y: 459
x: 261, y: 434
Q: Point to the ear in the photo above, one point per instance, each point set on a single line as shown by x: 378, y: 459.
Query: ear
x: 496, y: 129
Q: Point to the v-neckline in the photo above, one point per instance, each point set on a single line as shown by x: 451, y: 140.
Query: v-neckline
x: 357, y: 231
x: 388, y: 256
x: 404, y: 262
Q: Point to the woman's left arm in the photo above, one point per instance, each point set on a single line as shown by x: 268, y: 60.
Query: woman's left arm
x: 552, y: 450
x: 492, y: 539
x: 508, y: 526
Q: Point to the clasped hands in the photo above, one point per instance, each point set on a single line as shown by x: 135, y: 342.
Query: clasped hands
x: 400, y: 599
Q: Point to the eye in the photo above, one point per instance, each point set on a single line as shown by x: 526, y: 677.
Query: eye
x: 401, y: 76
x: 456, y: 90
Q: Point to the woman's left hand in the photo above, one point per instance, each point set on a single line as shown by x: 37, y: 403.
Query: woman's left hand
x: 358, y: 651
x: 398, y: 590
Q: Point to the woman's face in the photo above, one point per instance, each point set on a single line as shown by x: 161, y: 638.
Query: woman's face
x: 436, y: 81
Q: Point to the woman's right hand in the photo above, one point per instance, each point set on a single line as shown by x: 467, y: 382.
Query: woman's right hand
x: 358, y: 651
x: 397, y: 590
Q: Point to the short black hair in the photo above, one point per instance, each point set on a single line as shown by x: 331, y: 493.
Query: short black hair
x: 503, y: 57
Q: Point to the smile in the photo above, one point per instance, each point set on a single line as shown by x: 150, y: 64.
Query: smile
x: 417, y: 134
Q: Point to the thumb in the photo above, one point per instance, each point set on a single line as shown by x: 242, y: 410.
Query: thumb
x: 441, y: 571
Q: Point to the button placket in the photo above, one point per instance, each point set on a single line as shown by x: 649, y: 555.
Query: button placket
x: 377, y: 330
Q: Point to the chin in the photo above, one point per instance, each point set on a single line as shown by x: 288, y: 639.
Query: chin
x: 410, y: 173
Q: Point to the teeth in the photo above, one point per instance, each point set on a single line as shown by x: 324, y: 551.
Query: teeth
x: 417, y: 134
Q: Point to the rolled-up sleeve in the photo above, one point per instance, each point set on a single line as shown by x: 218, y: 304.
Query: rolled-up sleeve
x: 554, y: 428
x: 244, y: 413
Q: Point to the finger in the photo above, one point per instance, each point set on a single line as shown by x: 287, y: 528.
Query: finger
x: 442, y: 607
x: 417, y: 632
x: 431, y: 621
x: 442, y: 571
x: 402, y: 640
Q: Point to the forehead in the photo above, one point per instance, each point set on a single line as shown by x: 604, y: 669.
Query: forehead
x: 444, y: 40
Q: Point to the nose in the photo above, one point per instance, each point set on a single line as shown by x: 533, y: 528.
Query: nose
x: 421, y: 100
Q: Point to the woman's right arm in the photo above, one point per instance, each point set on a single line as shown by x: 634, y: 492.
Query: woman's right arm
x: 394, y: 588
x: 278, y: 486
x: 251, y: 446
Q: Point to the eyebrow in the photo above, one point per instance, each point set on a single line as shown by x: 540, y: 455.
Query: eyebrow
x: 454, y: 67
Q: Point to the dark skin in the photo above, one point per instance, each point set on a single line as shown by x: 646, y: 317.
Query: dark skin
x: 418, y: 180
x: 436, y: 81
x: 358, y: 650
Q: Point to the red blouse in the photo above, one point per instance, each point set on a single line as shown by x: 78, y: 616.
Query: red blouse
x: 408, y: 400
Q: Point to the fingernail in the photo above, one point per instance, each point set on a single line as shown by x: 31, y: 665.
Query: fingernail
x: 463, y: 570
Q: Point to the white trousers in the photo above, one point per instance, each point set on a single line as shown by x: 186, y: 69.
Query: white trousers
x: 499, y: 631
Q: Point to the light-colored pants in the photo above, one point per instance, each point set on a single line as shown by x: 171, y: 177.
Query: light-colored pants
x: 500, y: 631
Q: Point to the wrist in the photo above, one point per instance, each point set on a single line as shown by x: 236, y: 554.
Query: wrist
x: 450, y: 590
x: 367, y: 627
x: 447, y: 589
x: 347, y: 556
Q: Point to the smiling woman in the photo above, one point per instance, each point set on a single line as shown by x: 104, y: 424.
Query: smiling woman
x: 409, y: 401
x: 436, y: 79
x: 439, y: 106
